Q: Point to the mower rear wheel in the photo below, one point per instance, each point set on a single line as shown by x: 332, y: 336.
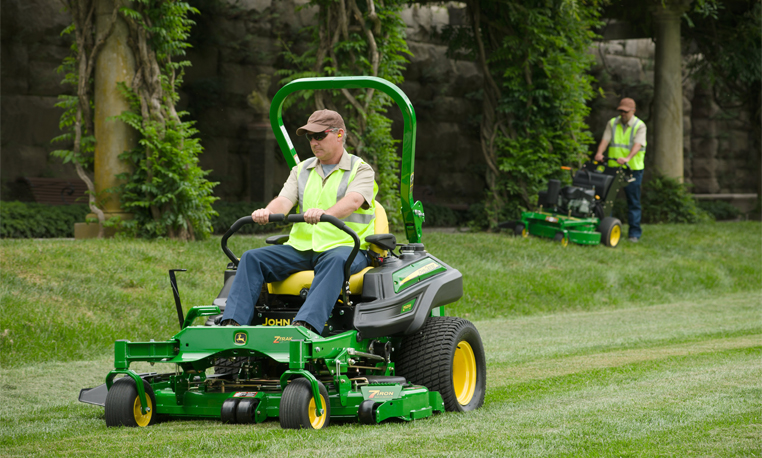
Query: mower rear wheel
x: 297, y: 406
x: 123, y: 407
x: 611, y: 231
x: 446, y: 355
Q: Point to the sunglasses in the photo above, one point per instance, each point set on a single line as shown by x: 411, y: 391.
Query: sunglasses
x: 318, y: 136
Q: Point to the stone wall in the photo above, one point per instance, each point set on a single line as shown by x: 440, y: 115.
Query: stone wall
x: 236, y: 52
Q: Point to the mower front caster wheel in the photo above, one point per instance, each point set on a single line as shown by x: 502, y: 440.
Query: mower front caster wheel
x: 297, y: 406
x: 366, y: 414
x: 123, y: 407
x: 520, y: 230
x: 560, y: 237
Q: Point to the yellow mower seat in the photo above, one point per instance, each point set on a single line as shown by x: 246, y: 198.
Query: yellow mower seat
x: 298, y: 281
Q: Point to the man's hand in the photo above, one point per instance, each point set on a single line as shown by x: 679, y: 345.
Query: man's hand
x: 261, y: 216
x: 312, y: 216
x: 599, y: 157
x: 622, y: 160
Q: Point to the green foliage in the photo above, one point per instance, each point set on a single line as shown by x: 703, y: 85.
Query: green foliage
x: 352, y: 55
x: 719, y: 209
x: 33, y: 220
x: 665, y: 200
x: 537, y: 55
x: 168, y: 154
x: 167, y: 192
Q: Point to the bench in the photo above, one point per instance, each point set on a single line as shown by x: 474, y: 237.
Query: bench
x: 56, y: 191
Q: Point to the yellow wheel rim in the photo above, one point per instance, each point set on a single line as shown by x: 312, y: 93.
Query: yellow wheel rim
x: 616, y: 233
x: 316, y: 421
x: 524, y: 232
x: 464, y: 373
x: 565, y: 241
x: 140, y: 419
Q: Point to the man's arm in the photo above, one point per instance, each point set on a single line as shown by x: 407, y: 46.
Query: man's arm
x: 343, y: 208
x: 601, y: 149
x: 278, y: 205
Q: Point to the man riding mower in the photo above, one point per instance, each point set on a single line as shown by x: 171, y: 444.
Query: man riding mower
x: 385, y: 349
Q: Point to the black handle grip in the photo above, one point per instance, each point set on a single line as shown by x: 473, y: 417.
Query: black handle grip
x: 274, y: 217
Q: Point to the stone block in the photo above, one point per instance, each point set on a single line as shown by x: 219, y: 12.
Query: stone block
x: 223, y: 121
x: 45, y: 81
x: 705, y: 185
x: 453, y: 109
x: 14, y: 69
x: 738, y: 140
x: 204, y: 63
x: 257, y: 5
x: 703, y: 167
x: 422, y: 20
x: 34, y: 21
x: 239, y: 79
x: 29, y: 120
x: 627, y: 68
x: 703, y: 128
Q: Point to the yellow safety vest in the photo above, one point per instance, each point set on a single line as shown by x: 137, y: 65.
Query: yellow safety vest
x: 313, y: 194
x: 623, y: 138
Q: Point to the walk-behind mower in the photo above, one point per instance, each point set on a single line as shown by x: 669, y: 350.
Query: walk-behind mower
x: 387, y: 351
x: 580, y: 213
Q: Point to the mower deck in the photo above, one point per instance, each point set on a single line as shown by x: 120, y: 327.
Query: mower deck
x: 581, y: 231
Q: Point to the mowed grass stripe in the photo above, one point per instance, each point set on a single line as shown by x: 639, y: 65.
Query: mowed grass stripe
x: 499, y: 376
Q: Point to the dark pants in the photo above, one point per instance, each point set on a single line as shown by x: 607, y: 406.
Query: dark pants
x: 276, y: 263
x: 632, y: 192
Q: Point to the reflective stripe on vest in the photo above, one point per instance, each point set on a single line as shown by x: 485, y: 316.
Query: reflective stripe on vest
x: 313, y: 193
x: 618, y: 148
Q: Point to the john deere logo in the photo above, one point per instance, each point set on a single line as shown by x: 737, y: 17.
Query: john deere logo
x: 600, y: 168
x: 407, y: 307
x: 240, y: 338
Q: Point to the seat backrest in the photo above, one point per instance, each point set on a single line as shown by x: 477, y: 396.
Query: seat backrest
x: 586, y: 178
x: 381, y: 226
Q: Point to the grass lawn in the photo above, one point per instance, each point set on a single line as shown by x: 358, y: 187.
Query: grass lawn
x: 649, y: 349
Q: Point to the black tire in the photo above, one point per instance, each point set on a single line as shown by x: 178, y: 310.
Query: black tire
x: 561, y: 238
x: 446, y: 355
x: 229, y: 410
x: 123, y: 406
x: 297, y: 406
x: 366, y: 414
x: 228, y: 367
x: 611, y: 231
x: 518, y: 230
x: 246, y: 410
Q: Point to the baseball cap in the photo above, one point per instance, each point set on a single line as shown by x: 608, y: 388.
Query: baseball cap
x: 626, y: 104
x: 322, y: 120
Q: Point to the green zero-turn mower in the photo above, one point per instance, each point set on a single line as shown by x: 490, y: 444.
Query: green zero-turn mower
x: 580, y: 213
x: 387, y: 351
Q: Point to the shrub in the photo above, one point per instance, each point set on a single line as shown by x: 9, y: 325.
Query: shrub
x: 441, y: 216
x: 664, y: 200
x: 33, y: 220
x: 230, y: 212
x: 720, y: 209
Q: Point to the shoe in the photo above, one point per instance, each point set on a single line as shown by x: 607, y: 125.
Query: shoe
x: 633, y: 239
x: 304, y: 324
x: 229, y: 323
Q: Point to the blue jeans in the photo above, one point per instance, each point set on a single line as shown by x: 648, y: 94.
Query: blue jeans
x: 276, y: 263
x: 632, y: 192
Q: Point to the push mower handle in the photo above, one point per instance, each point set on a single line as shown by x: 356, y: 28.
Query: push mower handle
x: 606, y: 160
x: 296, y: 218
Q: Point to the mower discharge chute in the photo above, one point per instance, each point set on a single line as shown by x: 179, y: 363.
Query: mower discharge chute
x: 580, y: 213
x: 387, y: 350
